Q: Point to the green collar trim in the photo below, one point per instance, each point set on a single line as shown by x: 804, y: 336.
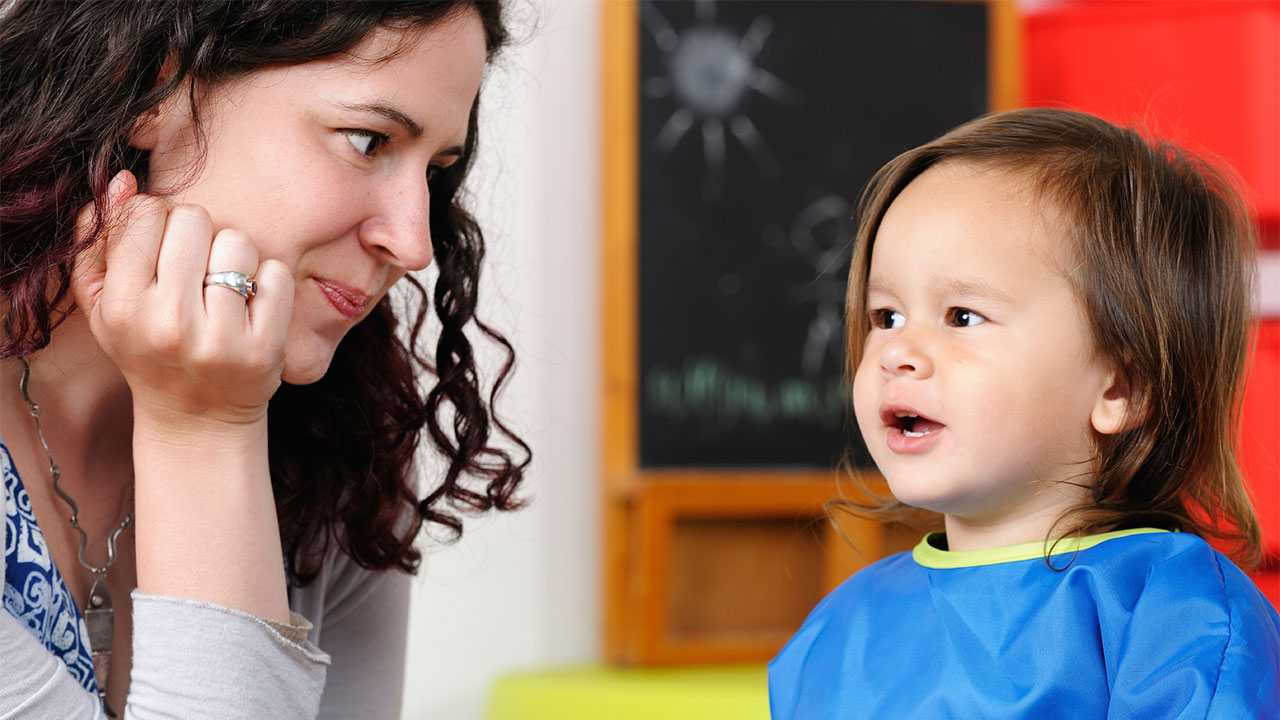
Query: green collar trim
x: 931, y: 557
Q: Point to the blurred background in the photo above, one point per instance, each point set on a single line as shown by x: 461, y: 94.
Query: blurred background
x: 529, y: 592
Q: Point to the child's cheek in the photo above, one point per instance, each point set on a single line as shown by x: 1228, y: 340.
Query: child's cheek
x: 866, y: 394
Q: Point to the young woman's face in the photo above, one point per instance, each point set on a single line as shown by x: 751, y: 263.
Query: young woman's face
x: 325, y: 166
x: 977, y: 331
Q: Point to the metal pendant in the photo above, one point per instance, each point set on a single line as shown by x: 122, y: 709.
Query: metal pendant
x: 100, y: 619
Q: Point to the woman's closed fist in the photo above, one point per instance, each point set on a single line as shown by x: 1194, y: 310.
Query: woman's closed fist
x: 189, y: 350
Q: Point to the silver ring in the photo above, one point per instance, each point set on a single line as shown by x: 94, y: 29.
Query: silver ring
x: 232, y: 280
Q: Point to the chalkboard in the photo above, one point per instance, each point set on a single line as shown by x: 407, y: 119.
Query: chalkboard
x: 759, y: 124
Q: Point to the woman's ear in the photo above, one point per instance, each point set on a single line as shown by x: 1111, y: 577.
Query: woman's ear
x: 146, y: 131
x: 1119, y: 407
x: 145, y: 134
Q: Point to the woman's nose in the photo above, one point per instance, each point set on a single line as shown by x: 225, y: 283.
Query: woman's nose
x: 905, y: 354
x: 399, y: 227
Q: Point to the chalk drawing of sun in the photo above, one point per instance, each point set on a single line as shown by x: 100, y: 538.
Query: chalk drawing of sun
x: 709, y: 71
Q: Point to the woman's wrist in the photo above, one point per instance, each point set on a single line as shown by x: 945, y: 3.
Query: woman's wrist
x: 223, y: 430
x: 206, y: 520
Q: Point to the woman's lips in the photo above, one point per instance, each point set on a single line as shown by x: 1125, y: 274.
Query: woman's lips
x: 349, y: 302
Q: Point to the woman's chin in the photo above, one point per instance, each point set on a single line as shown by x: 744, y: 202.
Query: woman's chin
x: 306, y: 367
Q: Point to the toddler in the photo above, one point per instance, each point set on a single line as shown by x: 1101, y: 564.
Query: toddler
x: 1048, y: 324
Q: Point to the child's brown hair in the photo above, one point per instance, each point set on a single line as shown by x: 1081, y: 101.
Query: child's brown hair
x: 1165, y: 254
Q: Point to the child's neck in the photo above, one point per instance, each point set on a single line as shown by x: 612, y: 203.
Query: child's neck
x: 1023, y: 519
x: 964, y: 534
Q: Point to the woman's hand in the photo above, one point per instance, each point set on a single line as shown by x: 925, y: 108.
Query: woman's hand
x: 191, y: 354
x: 202, y: 365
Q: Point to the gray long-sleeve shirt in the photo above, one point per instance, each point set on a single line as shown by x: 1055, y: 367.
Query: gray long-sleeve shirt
x: 195, y: 660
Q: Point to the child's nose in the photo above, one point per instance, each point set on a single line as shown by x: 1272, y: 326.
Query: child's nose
x: 904, y: 354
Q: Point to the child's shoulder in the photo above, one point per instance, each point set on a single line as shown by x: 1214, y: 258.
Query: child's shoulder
x: 892, y: 582
x: 1178, y: 567
x: 1195, y: 615
x: 1193, y: 571
x: 897, y: 575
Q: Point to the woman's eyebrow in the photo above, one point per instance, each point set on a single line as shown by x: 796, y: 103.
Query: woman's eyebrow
x: 389, y: 112
x: 398, y: 117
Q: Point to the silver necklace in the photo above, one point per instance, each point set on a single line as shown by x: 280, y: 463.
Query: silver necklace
x: 99, y: 615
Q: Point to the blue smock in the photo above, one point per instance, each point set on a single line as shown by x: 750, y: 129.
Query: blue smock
x: 1140, y: 624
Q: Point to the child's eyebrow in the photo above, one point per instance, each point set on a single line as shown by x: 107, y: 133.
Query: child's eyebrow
x: 877, y: 285
x: 953, y: 287
x: 971, y: 288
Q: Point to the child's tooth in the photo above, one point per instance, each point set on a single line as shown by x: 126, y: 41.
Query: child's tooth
x: 909, y: 433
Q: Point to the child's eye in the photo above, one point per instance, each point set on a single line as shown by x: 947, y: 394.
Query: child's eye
x: 887, y: 319
x: 366, y: 142
x: 962, y: 317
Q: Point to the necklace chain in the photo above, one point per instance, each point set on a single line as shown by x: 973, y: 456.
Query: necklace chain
x: 99, y: 612
x: 57, y: 488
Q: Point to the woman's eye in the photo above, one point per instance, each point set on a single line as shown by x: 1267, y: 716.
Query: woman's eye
x: 887, y: 319
x: 366, y: 142
x: 963, y: 317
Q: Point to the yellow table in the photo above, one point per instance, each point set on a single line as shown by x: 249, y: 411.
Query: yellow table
x: 612, y: 693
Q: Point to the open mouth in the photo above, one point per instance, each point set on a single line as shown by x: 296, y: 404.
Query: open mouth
x: 915, y: 426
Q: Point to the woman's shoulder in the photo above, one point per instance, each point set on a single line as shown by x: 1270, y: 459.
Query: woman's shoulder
x: 360, y: 617
x: 344, y: 591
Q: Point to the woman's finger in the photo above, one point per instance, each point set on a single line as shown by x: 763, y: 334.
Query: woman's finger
x: 225, y: 308
x: 184, y: 255
x: 135, y: 229
x: 272, y: 308
x: 90, y: 267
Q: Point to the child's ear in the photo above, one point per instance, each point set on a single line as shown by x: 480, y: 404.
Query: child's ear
x: 1119, y: 407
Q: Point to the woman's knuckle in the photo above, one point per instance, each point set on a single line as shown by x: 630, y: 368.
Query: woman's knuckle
x: 166, y: 333
x: 188, y: 212
x: 233, y: 236
x: 143, y: 208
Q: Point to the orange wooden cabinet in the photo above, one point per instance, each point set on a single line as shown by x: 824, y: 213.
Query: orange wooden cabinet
x: 724, y: 566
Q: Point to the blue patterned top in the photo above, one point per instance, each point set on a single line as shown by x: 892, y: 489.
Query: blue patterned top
x: 34, y: 592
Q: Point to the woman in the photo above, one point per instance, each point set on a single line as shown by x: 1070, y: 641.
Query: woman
x: 204, y: 208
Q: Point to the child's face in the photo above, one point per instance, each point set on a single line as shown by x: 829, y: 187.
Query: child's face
x: 977, y: 332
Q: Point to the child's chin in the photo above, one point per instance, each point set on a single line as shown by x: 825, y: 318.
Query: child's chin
x: 916, y: 496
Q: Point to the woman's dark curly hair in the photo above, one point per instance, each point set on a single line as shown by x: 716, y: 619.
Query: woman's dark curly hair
x: 78, y: 76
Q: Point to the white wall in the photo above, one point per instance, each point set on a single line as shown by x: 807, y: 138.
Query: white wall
x: 522, y: 590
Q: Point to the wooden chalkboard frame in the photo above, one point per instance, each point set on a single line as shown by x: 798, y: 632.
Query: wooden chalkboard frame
x: 641, y: 507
